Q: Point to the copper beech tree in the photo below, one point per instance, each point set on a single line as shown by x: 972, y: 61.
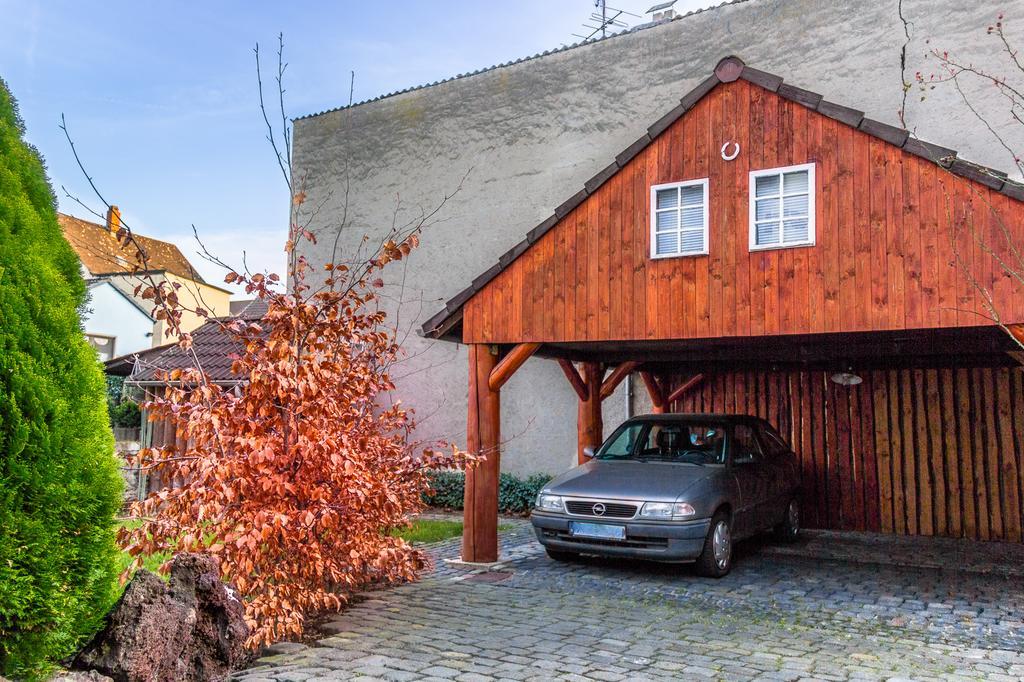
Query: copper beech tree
x: 294, y: 479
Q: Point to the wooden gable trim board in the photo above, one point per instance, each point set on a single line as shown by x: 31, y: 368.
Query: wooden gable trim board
x: 729, y: 69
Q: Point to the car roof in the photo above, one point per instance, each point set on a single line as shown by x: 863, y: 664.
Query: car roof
x: 720, y: 418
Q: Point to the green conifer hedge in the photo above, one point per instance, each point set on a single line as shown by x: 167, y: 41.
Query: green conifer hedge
x: 59, y: 482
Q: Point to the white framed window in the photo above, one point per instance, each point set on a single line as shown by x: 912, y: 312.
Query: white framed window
x: 782, y: 207
x: 679, y: 219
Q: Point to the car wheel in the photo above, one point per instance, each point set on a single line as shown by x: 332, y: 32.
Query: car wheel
x: 562, y: 556
x: 716, y: 558
x: 789, y: 529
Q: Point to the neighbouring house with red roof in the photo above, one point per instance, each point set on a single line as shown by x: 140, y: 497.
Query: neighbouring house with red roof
x: 117, y: 321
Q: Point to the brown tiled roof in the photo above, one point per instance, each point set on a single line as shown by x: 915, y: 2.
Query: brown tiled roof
x: 444, y: 323
x: 100, y: 253
x: 212, y: 346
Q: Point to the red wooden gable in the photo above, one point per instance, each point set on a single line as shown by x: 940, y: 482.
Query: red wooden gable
x: 902, y: 241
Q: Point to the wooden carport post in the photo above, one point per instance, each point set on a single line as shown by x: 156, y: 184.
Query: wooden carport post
x: 590, y: 426
x: 483, y: 438
x: 592, y: 388
x: 483, y: 435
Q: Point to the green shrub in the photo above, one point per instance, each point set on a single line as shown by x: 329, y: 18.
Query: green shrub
x: 126, y: 414
x: 446, y: 489
x: 515, y: 495
x: 59, y: 482
x: 115, y: 389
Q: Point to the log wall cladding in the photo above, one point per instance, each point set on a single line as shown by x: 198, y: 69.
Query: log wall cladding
x: 909, y: 451
x: 895, y: 234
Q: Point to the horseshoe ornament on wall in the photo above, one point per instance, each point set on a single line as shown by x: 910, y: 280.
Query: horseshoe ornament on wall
x: 736, y: 151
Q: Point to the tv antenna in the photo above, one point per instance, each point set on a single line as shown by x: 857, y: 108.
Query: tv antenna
x: 607, y: 17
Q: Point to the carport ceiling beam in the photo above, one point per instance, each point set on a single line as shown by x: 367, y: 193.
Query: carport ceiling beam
x: 575, y: 380
x: 654, y: 390
x: 613, y: 380
x: 1017, y: 332
x: 512, y: 361
x: 685, y: 388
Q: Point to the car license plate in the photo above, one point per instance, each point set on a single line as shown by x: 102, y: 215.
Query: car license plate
x: 600, y: 531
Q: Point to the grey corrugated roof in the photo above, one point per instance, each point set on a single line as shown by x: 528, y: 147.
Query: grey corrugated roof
x: 539, y: 55
x: 727, y: 70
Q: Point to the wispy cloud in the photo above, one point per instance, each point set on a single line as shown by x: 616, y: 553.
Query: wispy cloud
x: 33, y: 35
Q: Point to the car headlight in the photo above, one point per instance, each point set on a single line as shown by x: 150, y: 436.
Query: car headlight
x: 549, y: 502
x: 667, y: 510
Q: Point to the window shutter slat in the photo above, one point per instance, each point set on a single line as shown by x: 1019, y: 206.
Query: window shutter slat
x: 668, y: 198
x: 693, y: 217
x: 691, y: 241
x: 668, y: 220
x: 767, y: 233
x: 795, y: 183
x: 693, y: 195
x: 794, y: 206
x: 767, y: 209
x: 767, y: 185
x: 794, y: 230
x: 668, y: 242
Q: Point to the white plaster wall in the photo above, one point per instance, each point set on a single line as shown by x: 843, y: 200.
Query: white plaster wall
x: 529, y: 135
x: 110, y: 314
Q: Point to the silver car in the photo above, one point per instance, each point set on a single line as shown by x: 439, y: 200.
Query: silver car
x: 673, y: 487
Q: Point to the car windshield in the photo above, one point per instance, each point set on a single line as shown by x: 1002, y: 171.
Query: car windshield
x: 684, y: 441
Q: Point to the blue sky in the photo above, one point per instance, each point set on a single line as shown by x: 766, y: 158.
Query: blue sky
x: 161, y: 97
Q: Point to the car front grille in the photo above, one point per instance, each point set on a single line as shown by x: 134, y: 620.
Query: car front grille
x: 612, y: 510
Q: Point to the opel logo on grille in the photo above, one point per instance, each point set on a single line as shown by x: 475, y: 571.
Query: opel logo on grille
x: 599, y: 509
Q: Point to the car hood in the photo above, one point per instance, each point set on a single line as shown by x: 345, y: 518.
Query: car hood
x: 654, y: 481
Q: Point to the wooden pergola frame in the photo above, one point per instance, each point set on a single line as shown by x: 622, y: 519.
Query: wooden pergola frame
x: 832, y: 314
x: 488, y: 372
x: 596, y: 372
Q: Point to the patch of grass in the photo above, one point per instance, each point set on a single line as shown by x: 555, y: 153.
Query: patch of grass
x: 150, y: 562
x: 425, y: 531
x: 429, y: 530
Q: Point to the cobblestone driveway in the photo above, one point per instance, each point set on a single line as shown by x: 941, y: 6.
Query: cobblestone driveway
x: 775, y: 617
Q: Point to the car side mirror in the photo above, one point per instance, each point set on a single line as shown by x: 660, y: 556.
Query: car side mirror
x: 588, y: 452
